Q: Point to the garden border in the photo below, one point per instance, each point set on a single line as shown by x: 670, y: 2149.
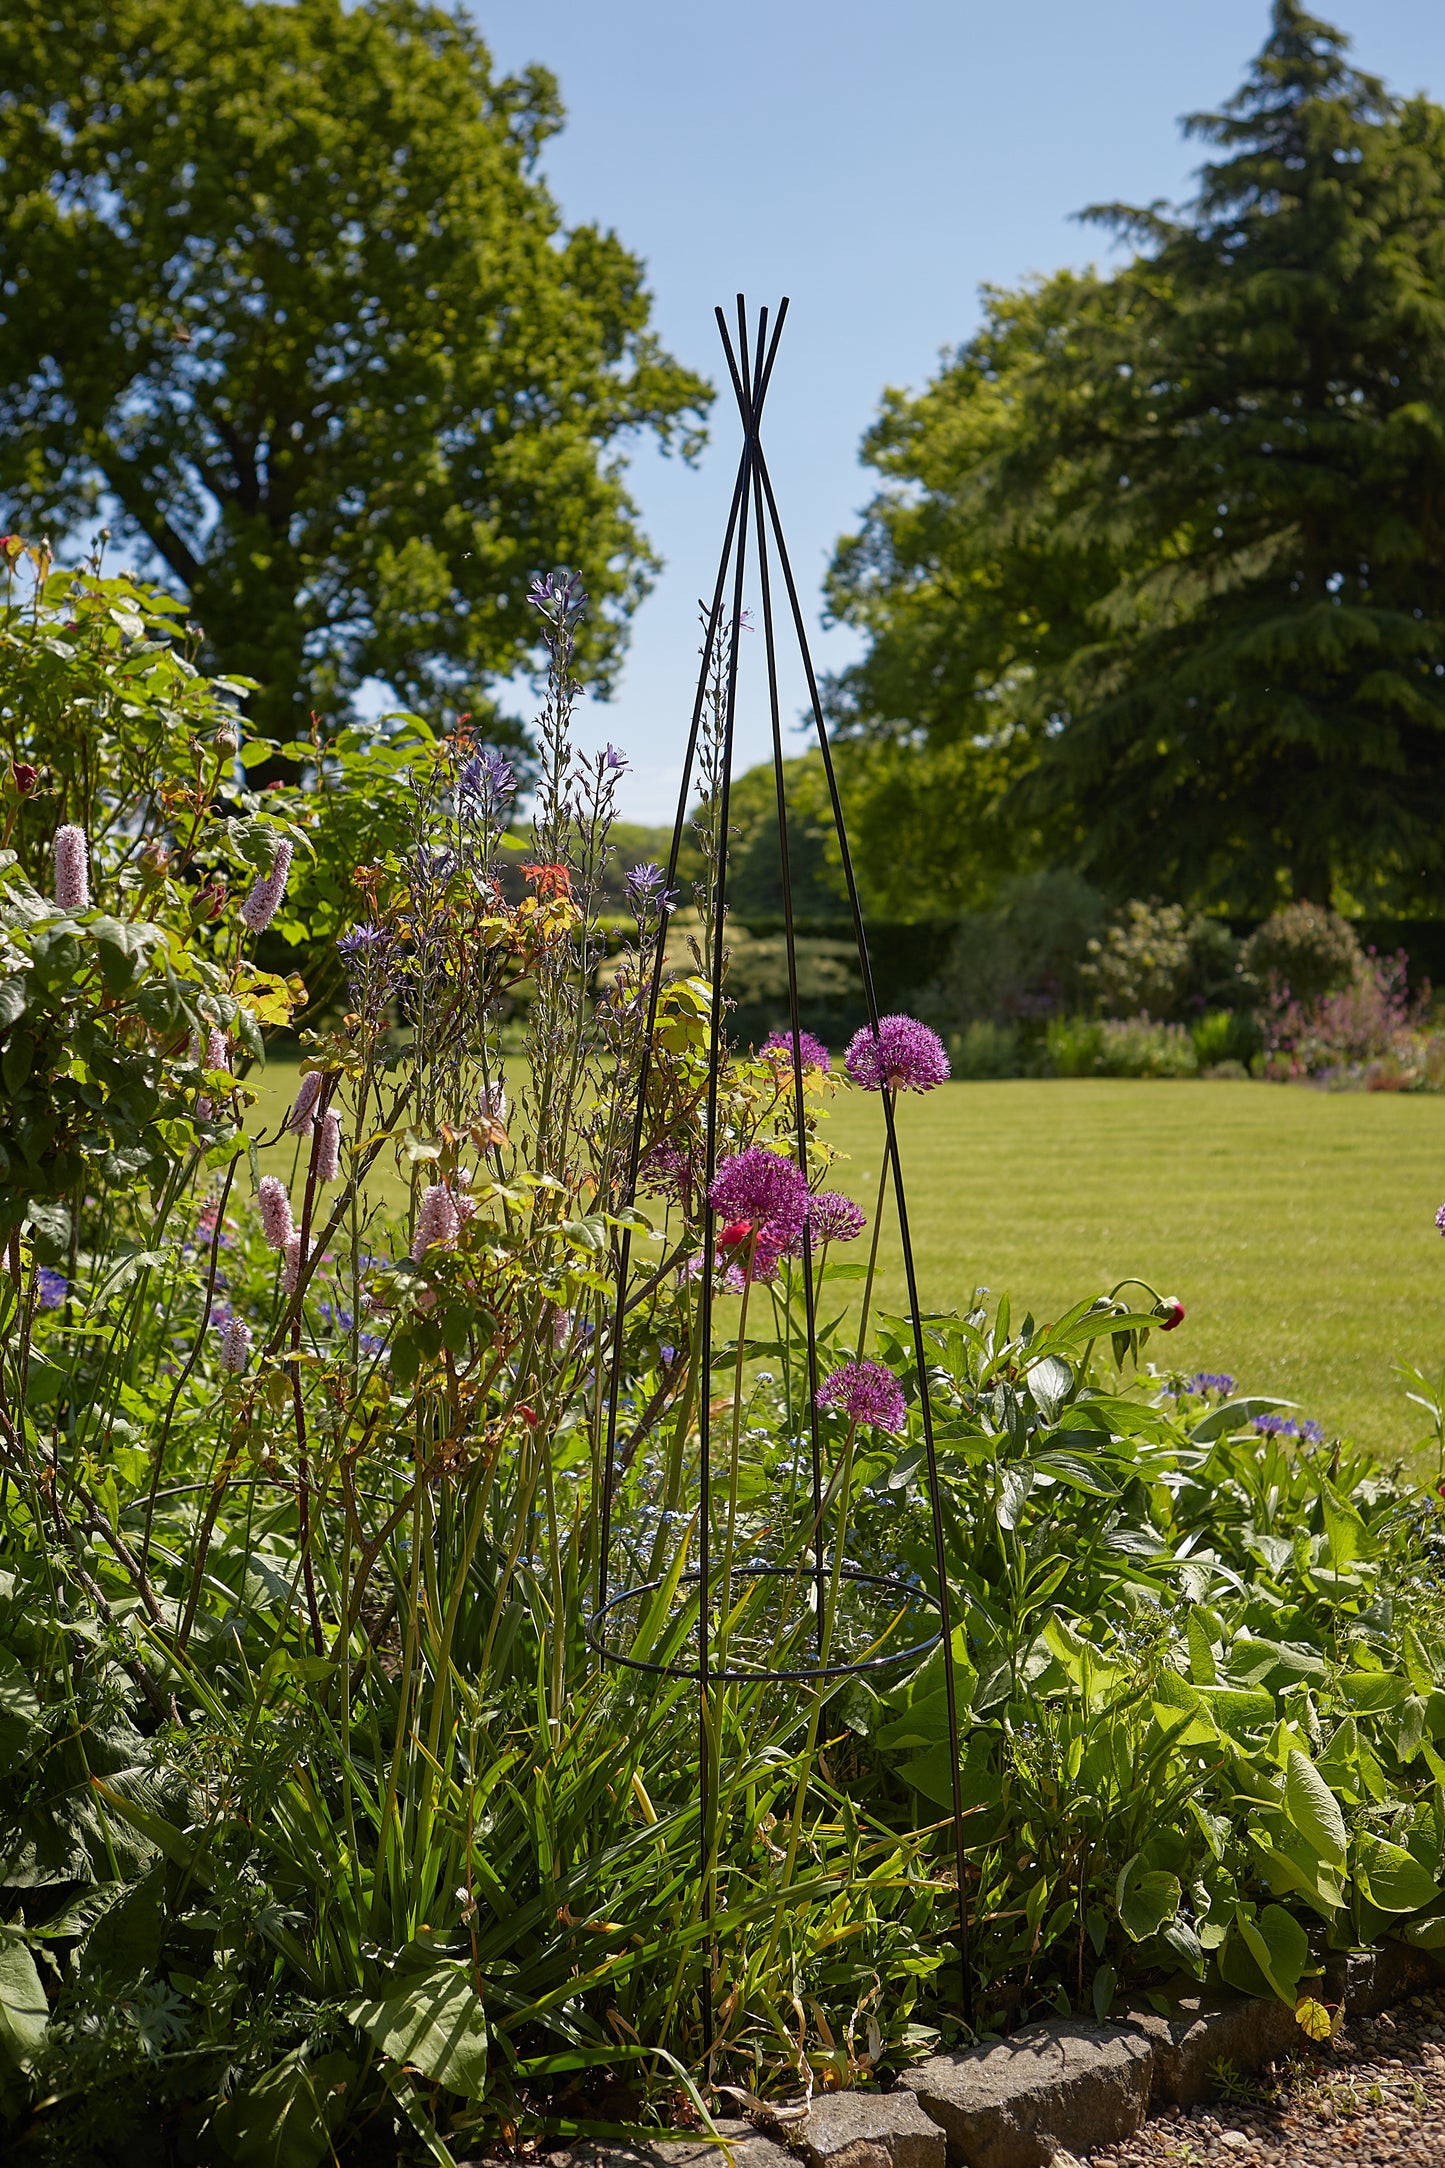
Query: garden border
x: 1046, y: 2092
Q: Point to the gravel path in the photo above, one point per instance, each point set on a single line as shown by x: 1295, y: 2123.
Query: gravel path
x: 1376, y: 2099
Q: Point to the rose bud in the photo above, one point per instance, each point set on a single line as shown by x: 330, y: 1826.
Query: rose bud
x: 24, y: 777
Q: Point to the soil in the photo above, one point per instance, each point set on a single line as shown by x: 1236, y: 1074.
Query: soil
x: 1375, y: 2098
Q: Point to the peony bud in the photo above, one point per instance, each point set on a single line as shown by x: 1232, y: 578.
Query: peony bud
x: 1169, y: 1313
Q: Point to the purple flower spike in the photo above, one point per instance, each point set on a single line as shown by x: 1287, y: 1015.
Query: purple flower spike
x: 866, y: 1393
x: 905, y: 1057
x: 814, y: 1054
x: 834, y: 1217
x: 72, y: 868
x: 764, y: 1189
x: 277, y: 1224
x: 261, y: 906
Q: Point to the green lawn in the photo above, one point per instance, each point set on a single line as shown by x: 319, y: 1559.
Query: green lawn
x: 1296, y: 1226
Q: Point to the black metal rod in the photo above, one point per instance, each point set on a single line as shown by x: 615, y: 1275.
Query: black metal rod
x: 905, y: 1240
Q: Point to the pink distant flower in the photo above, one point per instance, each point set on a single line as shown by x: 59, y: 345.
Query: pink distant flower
x: 72, y: 868
x: 274, y: 1205
x: 438, y: 1222
x: 235, y: 1346
x: 905, y: 1057
x: 328, y: 1158
x: 866, y: 1393
x: 261, y: 905
x: 218, y: 1054
x: 302, y: 1118
x: 813, y: 1053
x: 1440, y: 1219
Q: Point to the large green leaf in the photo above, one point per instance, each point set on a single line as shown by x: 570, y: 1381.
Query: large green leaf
x: 1146, y: 1899
x: 1278, y: 1946
x: 286, y: 2118
x: 434, y: 2023
x: 1392, y: 1878
x: 1313, y: 1808
x: 24, y: 2013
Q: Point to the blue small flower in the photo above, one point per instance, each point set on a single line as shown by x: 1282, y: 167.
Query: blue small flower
x: 52, y: 1288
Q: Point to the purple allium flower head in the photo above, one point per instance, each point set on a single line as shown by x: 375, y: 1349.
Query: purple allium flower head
x: 261, y: 906
x: 666, y: 1170
x: 437, y: 1221
x: 814, y: 1054
x: 906, y: 1056
x: 763, y: 1188
x: 834, y: 1217
x: 866, y: 1393
x: 328, y: 1158
x: 235, y: 1345
x: 51, y: 1288
x: 302, y: 1118
x: 277, y: 1225
x: 72, y: 868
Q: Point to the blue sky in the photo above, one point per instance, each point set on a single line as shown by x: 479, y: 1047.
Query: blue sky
x: 876, y: 160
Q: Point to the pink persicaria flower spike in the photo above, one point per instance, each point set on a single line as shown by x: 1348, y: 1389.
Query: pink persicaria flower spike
x: 302, y: 1118
x: 291, y: 1268
x: 218, y: 1054
x: 812, y: 1052
x: 763, y: 1188
x: 261, y: 906
x: 866, y: 1393
x: 438, y: 1222
x: 328, y: 1158
x: 274, y: 1205
x: 905, y: 1057
x: 235, y: 1346
x: 72, y: 868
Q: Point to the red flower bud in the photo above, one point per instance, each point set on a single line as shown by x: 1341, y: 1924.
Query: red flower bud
x: 1170, y: 1313
x: 734, y: 1235
x: 25, y: 777
x: 528, y: 1415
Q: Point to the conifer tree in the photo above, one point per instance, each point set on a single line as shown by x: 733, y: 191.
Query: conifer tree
x: 1176, y: 535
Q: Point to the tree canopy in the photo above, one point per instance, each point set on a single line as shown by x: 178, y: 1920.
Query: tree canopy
x: 281, y: 284
x: 1164, y: 546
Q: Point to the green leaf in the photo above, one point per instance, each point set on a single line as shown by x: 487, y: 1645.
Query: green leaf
x: 286, y: 2118
x: 1278, y: 1945
x: 1313, y: 1808
x: 1015, y: 1483
x: 24, y: 2013
x: 1049, y: 1381
x: 433, y: 2023
x: 1146, y: 1900
x: 1391, y: 1878
x: 1374, y: 1690
x: 12, y: 999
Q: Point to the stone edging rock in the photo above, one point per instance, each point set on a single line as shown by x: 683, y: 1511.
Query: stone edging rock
x: 1047, y: 2092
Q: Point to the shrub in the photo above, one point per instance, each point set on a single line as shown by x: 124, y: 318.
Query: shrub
x: 1305, y: 953
x: 985, y: 1050
x: 1019, y: 962
x: 1225, y: 1035
x: 1160, y: 960
x: 1133, y: 1046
